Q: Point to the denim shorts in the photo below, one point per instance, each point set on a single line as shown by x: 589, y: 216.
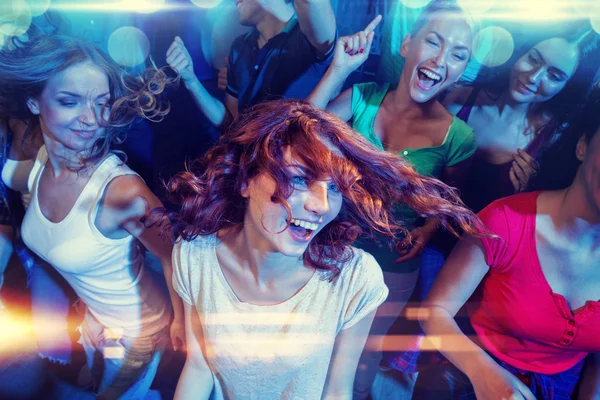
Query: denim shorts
x: 121, y: 367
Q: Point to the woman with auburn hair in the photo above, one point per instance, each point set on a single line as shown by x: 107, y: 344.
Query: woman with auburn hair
x: 278, y: 303
x: 86, y: 208
x: 535, y: 310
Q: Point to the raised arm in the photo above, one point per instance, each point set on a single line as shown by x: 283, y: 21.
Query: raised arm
x: 349, y: 54
x: 317, y: 22
x: 462, y: 273
x: 180, y: 60
x: 130, y: 200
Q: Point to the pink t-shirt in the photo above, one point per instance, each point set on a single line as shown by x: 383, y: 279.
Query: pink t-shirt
x: 518, y: 319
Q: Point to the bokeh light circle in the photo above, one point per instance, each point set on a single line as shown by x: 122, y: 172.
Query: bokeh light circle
x: 128, y: 46
x: 206, y: 3
x: 148, y: 6
x: 477, y: 8
x: 414, y: 3
x: 38, y: 7
x: 493, y: 46
x: 586, y: 9
x: 595, y: 22
x: 15, y: 17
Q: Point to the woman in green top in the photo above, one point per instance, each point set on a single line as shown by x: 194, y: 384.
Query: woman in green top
x: 408, y: 120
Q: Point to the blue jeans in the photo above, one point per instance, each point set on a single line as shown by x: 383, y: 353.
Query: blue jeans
x: 121, y: 367
x: 432, y: 261
x: 51, y: 299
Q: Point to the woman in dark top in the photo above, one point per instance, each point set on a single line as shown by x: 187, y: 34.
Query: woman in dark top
x: 515, y: 116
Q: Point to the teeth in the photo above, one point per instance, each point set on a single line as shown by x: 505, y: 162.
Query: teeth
x: 430, y: 75
x: 305, y: 224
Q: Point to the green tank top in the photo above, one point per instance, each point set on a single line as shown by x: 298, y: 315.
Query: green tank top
x: 459, y: 145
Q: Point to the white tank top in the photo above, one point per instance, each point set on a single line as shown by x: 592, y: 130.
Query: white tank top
x: 15, y: 175
x: 107, y: 274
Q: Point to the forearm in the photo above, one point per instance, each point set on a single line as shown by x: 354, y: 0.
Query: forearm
x: 215, y: 110
x: 327, y: 89
x: 338, y: 396
x: 178, y: 311
x: 194, y: 383
x: 446, y: 336
x: 431, y: 226
x: 317, y: 21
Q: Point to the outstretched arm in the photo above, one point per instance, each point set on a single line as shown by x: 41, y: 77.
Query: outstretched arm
x: 130, y: 200
x: 462, y: 273
x: 317, y: 22
x: 180, y: 60
x: 350, y: 53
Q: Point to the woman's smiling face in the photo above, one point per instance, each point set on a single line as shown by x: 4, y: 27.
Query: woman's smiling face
x: 313, y: 203
x: 543, y: 71
x: 436, y: 56
x: 70, y: 105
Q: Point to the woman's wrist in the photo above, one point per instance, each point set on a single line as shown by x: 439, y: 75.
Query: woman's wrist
x: 337, y: 75
x: 482, y: 365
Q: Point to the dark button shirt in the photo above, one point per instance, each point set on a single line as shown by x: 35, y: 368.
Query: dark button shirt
x: 287, y: 66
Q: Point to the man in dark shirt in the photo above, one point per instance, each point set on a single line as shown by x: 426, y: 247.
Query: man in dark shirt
x: 284, y: 56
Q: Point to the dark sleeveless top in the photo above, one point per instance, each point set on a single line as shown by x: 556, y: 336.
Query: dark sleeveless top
x: 487, y: 182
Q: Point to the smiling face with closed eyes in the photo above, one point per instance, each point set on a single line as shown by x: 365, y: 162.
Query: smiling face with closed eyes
x: 70, y: 105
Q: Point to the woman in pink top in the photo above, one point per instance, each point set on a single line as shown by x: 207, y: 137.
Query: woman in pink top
x: 536, y: 312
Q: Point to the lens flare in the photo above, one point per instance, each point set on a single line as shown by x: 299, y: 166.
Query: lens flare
x: 206, y: 3
x: 493, y: 46
x: 128, y: 46
x: 146, y: 6
x: 415, y: 3
x: 38, y: 7
x: 477, y: 8
x: 15, y: 17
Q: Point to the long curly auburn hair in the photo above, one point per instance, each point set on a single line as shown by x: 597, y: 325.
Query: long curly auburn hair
x: 372, y: 182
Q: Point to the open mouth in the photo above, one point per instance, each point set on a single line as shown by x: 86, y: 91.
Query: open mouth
x: 427, y: 78
x: 302, y: 229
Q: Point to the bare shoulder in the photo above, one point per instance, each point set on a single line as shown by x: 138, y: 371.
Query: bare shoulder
x: 457, y: 97
x: 129, y: 194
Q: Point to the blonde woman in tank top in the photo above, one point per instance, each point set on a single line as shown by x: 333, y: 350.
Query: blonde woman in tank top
x: 87, y: 207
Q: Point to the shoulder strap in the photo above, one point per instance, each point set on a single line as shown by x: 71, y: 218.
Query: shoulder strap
x: 465, y: 111
x: 110, y: 168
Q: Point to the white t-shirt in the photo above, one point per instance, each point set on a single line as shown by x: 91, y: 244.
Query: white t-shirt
x: 277, y: 351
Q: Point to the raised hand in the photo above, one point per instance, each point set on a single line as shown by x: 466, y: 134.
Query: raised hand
x: 352, y: 51
x: 180, y: 60
x: 523, y: 168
